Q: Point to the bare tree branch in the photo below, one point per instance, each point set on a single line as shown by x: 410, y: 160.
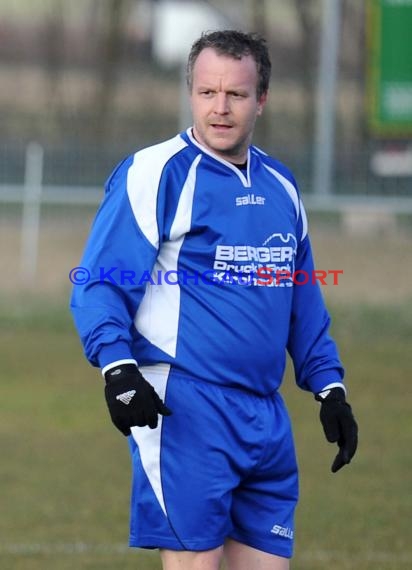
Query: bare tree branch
x: 309, y: 25
x: 114, y: 17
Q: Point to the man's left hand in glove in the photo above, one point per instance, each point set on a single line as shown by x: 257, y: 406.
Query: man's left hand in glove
x: 338, y: 424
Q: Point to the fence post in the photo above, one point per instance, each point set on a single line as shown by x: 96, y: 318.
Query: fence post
x: 326, y: 97
x: 33, y: 180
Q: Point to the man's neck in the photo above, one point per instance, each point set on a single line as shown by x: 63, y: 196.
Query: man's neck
x: 241, y: 166
x: 238, y: 163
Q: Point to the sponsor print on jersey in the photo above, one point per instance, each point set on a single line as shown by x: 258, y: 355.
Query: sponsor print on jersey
x: 250, y: 200
x: 257, y: 265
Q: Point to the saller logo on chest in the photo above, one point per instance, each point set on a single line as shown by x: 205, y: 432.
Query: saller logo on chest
x: 250, y: 200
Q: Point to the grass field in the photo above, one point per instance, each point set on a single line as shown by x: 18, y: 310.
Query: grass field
x: 64, y: 469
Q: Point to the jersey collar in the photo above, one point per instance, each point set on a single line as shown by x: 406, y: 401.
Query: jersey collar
x: 245, y: 179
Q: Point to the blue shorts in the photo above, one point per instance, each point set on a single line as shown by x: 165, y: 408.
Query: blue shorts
x: 223, y: 465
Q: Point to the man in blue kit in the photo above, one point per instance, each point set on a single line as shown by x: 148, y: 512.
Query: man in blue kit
x: 187, y: 318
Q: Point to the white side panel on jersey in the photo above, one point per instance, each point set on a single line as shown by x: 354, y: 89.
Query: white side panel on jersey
x: 297, y: 202
x: 304, y: 220
x: 157, y: 318
x: 287, y: 185
x: 183, y: 218
x: 148, y: 440
x: 143, y: 180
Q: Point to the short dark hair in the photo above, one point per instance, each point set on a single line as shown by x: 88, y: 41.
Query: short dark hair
x: 235, y: 44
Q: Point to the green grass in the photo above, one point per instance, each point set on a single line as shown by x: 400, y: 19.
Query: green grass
x: 65, y: 470
x: 360, y: 517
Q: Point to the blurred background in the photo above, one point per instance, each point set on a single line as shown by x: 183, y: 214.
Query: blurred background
x: 85, y: 83
x: 82, y: 84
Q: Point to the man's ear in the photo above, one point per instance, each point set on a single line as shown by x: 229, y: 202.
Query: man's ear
x: 262, y: 102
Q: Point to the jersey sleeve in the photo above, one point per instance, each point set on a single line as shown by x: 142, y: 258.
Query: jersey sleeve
x: 120, y: 251
x: 312, y: 349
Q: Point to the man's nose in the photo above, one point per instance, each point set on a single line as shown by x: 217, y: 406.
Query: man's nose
x: 221, y: 103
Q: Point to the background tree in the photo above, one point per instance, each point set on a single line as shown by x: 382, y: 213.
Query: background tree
x: 114, y: 15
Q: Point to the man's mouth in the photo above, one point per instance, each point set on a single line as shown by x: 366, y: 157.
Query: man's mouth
x: 221, y: 126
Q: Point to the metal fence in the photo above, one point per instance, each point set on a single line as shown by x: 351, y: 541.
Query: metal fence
x: 364, y: 193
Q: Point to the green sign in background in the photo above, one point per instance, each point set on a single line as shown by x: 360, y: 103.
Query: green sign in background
x: 390, y: 66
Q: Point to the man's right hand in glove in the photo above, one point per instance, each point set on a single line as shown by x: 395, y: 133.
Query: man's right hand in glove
x: 131, y: 400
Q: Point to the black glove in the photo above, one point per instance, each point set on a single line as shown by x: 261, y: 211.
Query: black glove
x: 131, y: 400
x: 338, y: 424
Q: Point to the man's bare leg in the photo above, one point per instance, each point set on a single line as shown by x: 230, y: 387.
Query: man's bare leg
x: 188, y: 560
x: 241, y: 557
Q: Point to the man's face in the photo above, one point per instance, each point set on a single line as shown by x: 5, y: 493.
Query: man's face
x: 225, y: 104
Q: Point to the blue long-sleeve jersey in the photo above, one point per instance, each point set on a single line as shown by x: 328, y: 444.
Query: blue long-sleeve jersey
x: 192, y: 262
